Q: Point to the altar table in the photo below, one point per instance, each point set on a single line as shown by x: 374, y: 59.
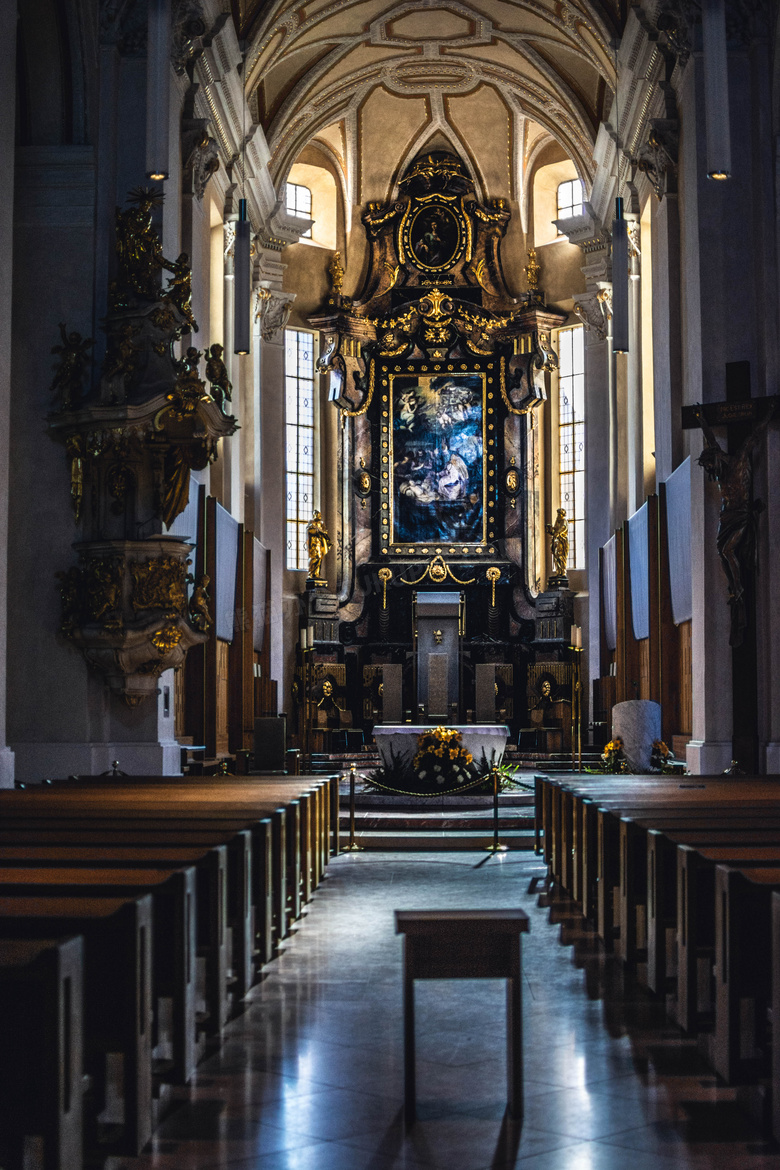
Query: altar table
x: 401, y: 739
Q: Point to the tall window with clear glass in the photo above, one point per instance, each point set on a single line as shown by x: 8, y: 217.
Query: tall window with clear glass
x: 299, y: 379
x: 571, y: 438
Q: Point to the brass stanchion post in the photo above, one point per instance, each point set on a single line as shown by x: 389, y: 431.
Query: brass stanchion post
x: 352, y: 847
x: 496, y: 847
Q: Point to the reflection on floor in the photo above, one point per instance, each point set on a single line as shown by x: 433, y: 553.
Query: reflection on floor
x: 310, y: 1076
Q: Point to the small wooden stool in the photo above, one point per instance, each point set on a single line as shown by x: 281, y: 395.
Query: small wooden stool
x: 465, y: 944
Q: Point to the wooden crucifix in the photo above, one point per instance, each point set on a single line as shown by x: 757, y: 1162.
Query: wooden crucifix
x: 731, y: 467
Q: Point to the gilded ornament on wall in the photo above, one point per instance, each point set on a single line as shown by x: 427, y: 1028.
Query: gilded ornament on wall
x: 318, y: 543
x: 200, y: 614
x: 559, y: 543
x: 159, y: 584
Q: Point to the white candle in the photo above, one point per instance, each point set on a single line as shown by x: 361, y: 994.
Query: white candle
x: 304, y: 637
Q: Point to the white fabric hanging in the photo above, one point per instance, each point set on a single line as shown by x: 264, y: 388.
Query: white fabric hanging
x: 678, y: 535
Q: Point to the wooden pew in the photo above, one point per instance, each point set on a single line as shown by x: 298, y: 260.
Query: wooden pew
x: 743, y: 967
x: 173, y: 941
x: 247, y: 887
x: 244, y: 790
x: 117, y: 992
x: 41, y: 997
x: 697, y: 897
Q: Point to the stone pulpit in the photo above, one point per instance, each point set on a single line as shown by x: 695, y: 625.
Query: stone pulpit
x: 438, y: 624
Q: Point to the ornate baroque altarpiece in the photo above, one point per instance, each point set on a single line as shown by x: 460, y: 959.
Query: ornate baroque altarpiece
x: 437, y: 371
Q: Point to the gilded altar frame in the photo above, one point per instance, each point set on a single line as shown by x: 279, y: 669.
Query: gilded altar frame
x: 447, y: 504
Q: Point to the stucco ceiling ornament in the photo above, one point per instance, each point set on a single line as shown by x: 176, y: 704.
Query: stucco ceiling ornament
x: 675, y: 19
x: 658, y: 157
x: 590, y: 311
x: 201, y: 155
x: 188, y: 27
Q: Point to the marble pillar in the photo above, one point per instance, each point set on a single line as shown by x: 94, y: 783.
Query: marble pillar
x: 718, y: 327
x: 597, y: 509
x: 635, y: 487
x: 667, y: 336
x: 7, y: 123
x: 272, y: 500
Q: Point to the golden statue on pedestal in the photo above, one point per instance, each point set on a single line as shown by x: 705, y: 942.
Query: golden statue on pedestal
x: 318, y: 543
x: 559, y: 545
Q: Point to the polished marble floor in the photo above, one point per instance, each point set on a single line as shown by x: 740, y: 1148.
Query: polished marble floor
x: 310, y: 1075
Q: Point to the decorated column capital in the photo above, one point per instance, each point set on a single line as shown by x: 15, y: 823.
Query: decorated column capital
x: 272, y: 311
x: 594, y: 310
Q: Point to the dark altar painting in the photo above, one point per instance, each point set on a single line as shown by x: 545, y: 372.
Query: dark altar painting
x: 434, y: 236
x: 437, y: 457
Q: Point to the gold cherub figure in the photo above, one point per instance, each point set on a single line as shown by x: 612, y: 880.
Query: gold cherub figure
x: 318, y: 543
x: 559, y: 545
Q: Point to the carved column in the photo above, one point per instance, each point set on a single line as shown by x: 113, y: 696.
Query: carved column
x: 635, y: 439
x: 593, y: 310
x: 707, y: 334
x: 667, y: 336
x: 7, y: 121
x: 232, y: 495
x: 271, y: 308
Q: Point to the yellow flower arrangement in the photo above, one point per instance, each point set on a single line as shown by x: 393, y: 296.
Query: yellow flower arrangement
x: 612, y: 758
x: 445, y: 744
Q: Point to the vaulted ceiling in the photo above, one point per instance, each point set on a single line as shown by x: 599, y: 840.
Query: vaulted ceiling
x: 372, y: 82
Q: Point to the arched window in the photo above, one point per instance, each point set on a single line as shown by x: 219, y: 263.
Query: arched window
x: 299, y: 412
x: 570, y: 199
x: 298, y: 203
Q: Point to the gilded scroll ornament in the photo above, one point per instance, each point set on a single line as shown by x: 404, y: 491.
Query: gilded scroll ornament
x: 438, y: 570
x: 336, y: 273
x: 216, y: 372
x: 493, y: 575
x: 532, y: 270
x: 138, y: 248
x: 159, y: 584
x: 103, y: 591
x: 369, y: 397
x: 166, y: 639
x: 318, y: 543
x: 75, y: 449
x: 179, y: 289
x: 559, y: 543
x: 385, y: 575
x: 200, y: 614
x: 121, y: 355
x: 189, y: 389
